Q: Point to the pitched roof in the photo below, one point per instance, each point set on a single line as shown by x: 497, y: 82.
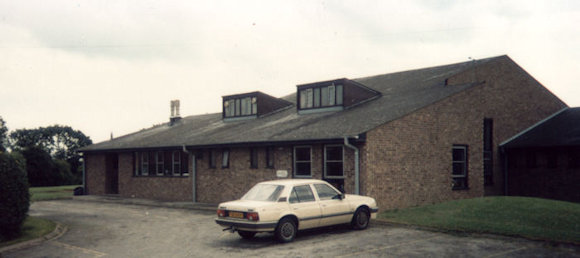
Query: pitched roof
x: 560, y: 130
x: 401, y: 93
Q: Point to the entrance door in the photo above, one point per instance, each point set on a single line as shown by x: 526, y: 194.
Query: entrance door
x: 112, y: 174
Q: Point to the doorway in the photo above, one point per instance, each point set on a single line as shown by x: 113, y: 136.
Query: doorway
x: 112, y: 174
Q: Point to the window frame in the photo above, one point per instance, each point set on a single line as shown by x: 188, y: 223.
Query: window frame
x: 159, y: 162
x: 323, y: 96
x: 293, y: 191
x: 465, y: 176
x: 326, y: 161
x: 296, y: 161
x: 242, y: 106
x: 173, y: 163
x: 226, y: 158
x: 144, y: 163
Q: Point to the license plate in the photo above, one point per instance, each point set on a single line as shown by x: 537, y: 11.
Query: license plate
x: 238, y: 215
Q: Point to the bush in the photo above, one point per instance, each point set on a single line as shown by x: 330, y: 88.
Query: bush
x: 14, y: 196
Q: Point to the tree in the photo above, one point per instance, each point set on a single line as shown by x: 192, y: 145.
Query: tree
x: 14, y: 195
x: 3, y: 135
x: 61, y: 142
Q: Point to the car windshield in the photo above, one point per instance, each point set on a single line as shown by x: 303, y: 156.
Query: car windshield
x: 264, y: 192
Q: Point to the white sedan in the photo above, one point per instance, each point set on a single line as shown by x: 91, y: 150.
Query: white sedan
x: 285, y: 206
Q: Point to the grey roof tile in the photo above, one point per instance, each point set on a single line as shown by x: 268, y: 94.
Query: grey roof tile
x: 402, y: 93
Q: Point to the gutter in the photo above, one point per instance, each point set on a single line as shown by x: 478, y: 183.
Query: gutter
x: 356, y: 164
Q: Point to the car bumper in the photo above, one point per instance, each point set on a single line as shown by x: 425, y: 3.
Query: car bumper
x: 247, y: 226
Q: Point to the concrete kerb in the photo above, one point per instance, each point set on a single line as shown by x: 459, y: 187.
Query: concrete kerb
x: 147, y: 202
x: 58, y: 231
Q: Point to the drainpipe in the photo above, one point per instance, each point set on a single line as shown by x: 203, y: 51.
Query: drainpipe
x: 356, y: 164
x: 193, y: 182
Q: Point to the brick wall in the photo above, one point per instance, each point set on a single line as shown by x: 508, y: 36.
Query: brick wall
x: 407, y: 162
x: 219, y: 184
x: 95, y: 168
x: 167, y: 188
x: 558, y: 181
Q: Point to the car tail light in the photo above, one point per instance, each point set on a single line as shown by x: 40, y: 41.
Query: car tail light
x: 221, y: 213
x: 253, y: 216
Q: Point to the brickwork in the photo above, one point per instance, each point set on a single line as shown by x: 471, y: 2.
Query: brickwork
x: 557, y: 181
x: 408, y: 162
x: 219, y: 184
x: 95, y: 168
x: 166, y: 188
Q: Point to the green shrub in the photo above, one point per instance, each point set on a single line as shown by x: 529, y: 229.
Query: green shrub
x: 14, y: 196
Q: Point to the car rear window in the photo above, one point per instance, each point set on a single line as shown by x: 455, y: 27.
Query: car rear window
x: 264, y: 192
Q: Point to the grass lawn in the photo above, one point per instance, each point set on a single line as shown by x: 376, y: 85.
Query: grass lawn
x: 52, y: 192
x: 33, y: 228
x: 515, y: 216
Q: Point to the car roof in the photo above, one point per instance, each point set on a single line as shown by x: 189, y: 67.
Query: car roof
x: 289, y: 182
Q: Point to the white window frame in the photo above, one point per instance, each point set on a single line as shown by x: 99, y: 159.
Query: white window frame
x: 295, y: 161
x: 159, y: 162
x: 173, y: 162
x: 144, y: 163
x: 465, y: 166
x: 341, y: 161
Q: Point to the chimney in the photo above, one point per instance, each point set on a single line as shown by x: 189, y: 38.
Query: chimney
x: 175, y: 117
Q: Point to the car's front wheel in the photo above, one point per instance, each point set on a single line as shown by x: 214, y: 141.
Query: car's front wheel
x: 361, y: 218
x: 246, y: 234
x: 286, y: 230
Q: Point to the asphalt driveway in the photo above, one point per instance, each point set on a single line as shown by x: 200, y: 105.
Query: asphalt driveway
x: 121, y: 230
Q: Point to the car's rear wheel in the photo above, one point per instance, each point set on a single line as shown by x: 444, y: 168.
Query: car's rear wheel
x: 361, y: 218
x: 286, y: 230
x: 246, y: 234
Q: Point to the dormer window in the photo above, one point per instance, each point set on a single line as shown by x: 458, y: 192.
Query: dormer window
x: 251, y: 105
x: 325, y: 96
x: 245, y: 106
x: 332, y: 95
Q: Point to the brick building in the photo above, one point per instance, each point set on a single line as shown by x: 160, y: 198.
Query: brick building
x: 544, y: 160
x: 405, y: 138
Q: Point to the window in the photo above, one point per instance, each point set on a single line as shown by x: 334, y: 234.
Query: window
x: 488, y: 151
x: 243, y: 106
x: 225, y: 158
x: 301, y: 193
x: 459, y: 173
x: 176, y: 163
x: 325, y: 192
x: 144, y: 163
x: 302, y: 161
x: 333, y: 161
x: 211, y: 156
x: 253, y: 158
x: 159, y: 163
x: 317, y: 97
x: 270, y: 157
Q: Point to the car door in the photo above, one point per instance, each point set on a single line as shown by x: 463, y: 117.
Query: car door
x: 304, y: 206
x: 334, y: 209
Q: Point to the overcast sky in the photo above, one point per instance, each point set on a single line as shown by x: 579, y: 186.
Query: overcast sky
x: 107, y: 67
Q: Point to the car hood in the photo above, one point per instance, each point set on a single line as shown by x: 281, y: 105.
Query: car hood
x: 244, y: 205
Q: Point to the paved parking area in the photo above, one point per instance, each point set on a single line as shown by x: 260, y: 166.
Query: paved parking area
x: 121, y: 230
